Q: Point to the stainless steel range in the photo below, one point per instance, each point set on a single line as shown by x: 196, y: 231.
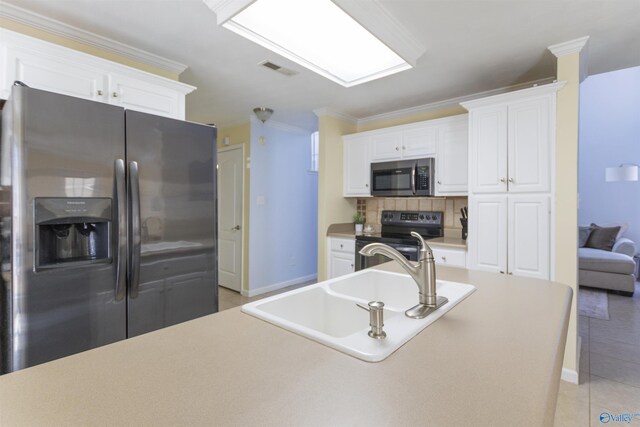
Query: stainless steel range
x: 396, y: 232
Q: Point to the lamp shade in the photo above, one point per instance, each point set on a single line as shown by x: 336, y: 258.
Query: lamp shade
x: 626, y: 172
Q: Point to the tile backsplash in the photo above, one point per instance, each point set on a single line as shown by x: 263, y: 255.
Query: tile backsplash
x: 372, y: 207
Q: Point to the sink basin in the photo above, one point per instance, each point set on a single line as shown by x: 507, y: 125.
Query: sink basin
x: 327, y: 313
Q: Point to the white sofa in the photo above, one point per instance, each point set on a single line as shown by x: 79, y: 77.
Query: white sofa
x: 613, y: 270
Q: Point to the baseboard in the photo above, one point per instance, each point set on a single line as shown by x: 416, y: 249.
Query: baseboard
x: 569, y: 375
x: 276, y: 286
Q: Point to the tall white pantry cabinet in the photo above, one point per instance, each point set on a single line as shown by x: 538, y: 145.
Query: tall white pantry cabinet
x: 511, y: 181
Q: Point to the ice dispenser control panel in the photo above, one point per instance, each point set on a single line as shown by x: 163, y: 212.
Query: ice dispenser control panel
x: 72, y: 231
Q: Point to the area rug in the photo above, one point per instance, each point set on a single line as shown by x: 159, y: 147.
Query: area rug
x: 593, y: 303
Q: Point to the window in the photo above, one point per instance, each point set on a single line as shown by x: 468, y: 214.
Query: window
x: 315, y: 152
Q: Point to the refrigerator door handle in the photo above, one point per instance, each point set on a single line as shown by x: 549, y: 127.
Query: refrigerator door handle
x: 135, y: 238
x: 121, y: 244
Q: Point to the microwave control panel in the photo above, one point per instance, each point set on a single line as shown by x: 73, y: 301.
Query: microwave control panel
x: 422, y: 181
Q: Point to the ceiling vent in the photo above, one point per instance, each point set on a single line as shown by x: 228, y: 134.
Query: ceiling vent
x: 277, y: 68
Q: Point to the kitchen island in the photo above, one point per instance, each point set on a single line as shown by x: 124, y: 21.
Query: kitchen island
x: 494, y: 360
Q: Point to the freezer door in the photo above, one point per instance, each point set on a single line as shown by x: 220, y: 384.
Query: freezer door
x: 58, y: 165
x: 172, y: 197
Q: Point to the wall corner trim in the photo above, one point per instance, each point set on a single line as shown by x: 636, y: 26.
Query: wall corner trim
x: 52, y: 26
x: 569, y: 47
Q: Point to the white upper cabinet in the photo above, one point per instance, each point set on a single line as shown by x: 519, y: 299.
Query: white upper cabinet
x: 140, y: 95
x: 420, y: 141
x: 412, y: 141
x: 357, y: 166
x: 488, y: 150
x: 445, y: 139
x: 54, y: 68
x: 529, y: 156
x: 386, y: 145
x: 510, y: 146
x: 451, y: 163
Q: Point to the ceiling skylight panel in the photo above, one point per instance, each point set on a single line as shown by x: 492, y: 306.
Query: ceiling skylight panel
x: 320, y: 36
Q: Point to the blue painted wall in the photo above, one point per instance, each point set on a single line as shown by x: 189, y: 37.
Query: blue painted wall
x: 609, y: 136
x: 283, y: 238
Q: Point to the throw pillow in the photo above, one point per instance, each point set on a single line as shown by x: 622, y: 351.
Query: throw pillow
x: 602, y: 237
x: 583, y: 235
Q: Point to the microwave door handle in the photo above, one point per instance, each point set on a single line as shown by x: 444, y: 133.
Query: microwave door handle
x: 413, y: 178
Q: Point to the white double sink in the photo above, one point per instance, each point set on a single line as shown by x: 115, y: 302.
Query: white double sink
x: 327, y: 312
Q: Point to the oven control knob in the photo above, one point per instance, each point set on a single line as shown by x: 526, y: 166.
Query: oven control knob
x: 421, y: 216
x: 434, y: 217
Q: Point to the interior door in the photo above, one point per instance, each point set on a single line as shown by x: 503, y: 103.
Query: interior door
x: 230, y: 184
x: 174, y: 243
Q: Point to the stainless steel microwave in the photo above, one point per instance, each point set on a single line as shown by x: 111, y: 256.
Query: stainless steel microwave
x: 403, y: 178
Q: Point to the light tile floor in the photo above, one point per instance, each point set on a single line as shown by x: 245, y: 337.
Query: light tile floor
x: 229, y: 299
x: 609, y: 367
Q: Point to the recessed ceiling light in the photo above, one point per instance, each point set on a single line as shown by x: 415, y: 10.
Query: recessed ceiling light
x: 318, y: 35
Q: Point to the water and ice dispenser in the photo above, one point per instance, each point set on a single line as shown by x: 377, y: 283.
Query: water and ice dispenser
x: 72, y: 231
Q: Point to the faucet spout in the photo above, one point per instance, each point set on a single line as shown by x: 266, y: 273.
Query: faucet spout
x: 423, y: 273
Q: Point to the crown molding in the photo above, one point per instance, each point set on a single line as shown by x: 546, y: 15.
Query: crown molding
x: 52, y: 26
x: 452, y: 102
x: 326, y: 111
x: 515, y: 95
x: 567, y: 48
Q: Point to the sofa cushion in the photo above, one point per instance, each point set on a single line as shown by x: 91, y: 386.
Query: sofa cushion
x: 583, y: 235
x: 609, y: 262
x: 602, y: 237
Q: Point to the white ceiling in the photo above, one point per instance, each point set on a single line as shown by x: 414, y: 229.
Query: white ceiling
x: 471, y: 46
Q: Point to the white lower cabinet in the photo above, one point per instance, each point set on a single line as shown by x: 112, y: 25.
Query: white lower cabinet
x: 510, y: 234
x: 342, y: 256
x: 453, y: 257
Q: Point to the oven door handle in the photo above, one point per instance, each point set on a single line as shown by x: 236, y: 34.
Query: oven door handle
x: 407, y: 249
x: 413, y: 177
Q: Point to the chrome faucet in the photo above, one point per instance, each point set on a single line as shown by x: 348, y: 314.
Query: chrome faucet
x: 423, y: 273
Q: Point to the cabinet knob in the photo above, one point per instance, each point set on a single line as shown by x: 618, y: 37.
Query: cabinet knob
x: 99, y: 93
x: 510, y: 179
x: 366, y: 185
x: 351, y: 265
x: 503, y: 180
x: 397, y: 148
x: 444, y: 258
x: 114, y: 94
x: 439, y: 182
x: 403, y: 147
x: 501, y: 272
x: 341, y: 245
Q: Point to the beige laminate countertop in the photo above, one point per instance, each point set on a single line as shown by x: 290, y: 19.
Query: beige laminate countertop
x: 453, y: 242
x: 493, y: 360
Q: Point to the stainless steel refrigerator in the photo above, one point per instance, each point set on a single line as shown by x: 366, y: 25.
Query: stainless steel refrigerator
x: 108, y: 221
